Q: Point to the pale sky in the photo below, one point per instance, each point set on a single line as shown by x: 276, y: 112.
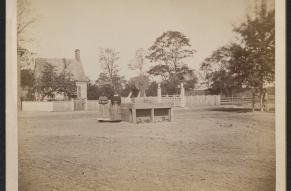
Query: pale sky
x: 127, y: 25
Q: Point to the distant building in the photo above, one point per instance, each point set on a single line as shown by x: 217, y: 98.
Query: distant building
x: 73, y: 66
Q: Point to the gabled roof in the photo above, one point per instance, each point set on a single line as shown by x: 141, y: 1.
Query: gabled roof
x: 71, y: 65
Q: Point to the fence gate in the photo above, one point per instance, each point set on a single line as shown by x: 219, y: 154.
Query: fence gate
x: 240, y: 101
x: 79, y: 104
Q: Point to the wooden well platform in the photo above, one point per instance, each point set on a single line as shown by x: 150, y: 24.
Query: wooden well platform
x: 152, y: 112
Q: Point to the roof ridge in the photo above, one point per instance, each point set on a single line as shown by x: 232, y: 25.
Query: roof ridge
x: 74, y: 66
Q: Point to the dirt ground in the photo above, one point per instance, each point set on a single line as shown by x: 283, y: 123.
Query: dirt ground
x: 201, y: 150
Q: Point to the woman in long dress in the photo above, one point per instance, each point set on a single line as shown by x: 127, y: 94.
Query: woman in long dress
x: 103, y: 112
x: 115, y: 113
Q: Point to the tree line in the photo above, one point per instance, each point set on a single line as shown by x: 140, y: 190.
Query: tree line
x: 167, y: 54
x: 249, y: 62
x: 246, y: 62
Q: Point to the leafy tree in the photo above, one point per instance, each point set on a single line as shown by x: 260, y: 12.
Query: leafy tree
x: 93, y: 92
x: 66, y: 85
x: 125, y: 90
x: 217, y: 74
x: 27, y: 78
x: 139, y: 83
x: 152, y: 89
x: 223, y: 82
x: 118, y: 82
x: 26, y: 60
x: 249, y: 63
x: 187, y: 76
x: 103, y: 80
x: 46, y: 85
x: 115, y: 84
x: 27, y: 82
x: 50, y: 83
x: 168, y: 53
x: 183, y: 75
x: 169, y: 87
x: 256, y: 57
x: 107, y: 90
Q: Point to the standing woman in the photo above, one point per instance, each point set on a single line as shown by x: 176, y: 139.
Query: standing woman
x: 115, y: 113
x: 103, y: 112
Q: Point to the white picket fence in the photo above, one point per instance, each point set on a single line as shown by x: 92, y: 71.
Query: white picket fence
x: 175, y: 100
x: 47, y: 106
x: 36, y: 106
x: 202, y: 100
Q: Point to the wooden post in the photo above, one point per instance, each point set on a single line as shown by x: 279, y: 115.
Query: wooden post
x: 86, y: 104
x: 261, y: 102
x: 253, y: 102
x: 133, y: 115
x: 170, y: 114
x: 218, y: 98
x: 182, y: 95
x: 153, y: 115
x: 72, y: 105
x: 20, y: 52
x: 159, y: 93
x: 267, y: 102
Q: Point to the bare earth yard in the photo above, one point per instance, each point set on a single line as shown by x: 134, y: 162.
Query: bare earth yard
x: 201, y: 150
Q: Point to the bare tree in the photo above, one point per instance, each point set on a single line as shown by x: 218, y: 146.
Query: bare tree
x: 107, y: 60
x: 26, y: 18
x: 26, y: 60
x: 139, y: 61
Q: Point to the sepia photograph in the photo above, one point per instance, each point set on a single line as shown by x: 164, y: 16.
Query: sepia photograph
x: 146, y: 95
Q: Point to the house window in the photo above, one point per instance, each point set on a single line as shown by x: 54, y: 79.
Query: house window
x: 78, y: 91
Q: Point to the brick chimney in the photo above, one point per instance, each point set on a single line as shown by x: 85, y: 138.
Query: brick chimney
x: 77, y: 55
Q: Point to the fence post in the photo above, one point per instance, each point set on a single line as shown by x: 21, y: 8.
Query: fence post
x: 219, y: 99
x: 52, y: 105
x: 159, y: 93
x: 182, y: 95
x: 86, y: 104
x: 72, y: 104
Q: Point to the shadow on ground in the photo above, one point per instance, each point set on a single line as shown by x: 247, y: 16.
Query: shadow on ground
x: 109, y: 121
x: 237, y: 110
